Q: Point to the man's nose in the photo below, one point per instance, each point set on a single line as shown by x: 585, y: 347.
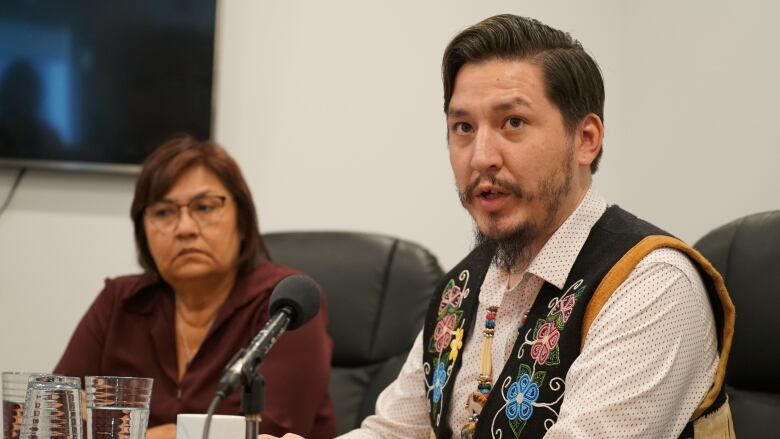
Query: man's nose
x: 487, y: 155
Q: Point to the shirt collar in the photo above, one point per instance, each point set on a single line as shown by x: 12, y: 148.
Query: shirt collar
x: 556, y: 258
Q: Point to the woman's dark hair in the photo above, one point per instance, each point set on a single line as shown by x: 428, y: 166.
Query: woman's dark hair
x: 162, y: 169
x: 572, y: 78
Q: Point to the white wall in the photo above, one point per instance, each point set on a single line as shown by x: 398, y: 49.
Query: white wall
x: 334, y: 111
x: 701, y: 112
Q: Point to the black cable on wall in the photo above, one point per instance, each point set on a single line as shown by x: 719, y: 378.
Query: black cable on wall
x: 10, y: 195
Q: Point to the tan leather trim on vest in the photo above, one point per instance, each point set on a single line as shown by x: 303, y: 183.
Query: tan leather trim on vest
x: 715, y: 425
x: 618, y: 274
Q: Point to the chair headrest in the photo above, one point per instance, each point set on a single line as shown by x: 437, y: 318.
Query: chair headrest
x: 378, y: 288
x: 747, y: 254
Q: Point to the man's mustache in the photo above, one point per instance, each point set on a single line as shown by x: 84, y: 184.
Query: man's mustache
x: 467, y: 195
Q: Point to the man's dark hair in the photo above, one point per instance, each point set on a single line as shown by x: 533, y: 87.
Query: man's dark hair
x: 572, y: 78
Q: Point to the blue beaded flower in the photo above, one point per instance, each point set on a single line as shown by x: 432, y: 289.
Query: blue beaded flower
x: 520, y: 397
x: 439, y: 378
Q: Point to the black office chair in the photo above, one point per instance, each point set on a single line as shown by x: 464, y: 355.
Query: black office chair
x: 747, y: 253
x: 378, y: 290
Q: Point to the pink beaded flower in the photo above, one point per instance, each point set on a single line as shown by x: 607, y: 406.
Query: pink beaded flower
x: 565, y: 305
x: 452, y: 297
x: 442, y: 334
x: 546, y: 340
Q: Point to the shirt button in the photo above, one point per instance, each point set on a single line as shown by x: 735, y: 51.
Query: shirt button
x: 178, y: 393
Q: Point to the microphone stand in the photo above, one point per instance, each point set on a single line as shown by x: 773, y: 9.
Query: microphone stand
x: 252, y: 403
x: 298, y: 298
x: 253, y: 396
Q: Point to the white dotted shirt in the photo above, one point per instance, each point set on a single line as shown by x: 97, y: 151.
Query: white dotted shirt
x: 648, y: 359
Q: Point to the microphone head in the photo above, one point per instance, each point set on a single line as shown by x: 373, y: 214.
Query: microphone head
x: 301, y: 294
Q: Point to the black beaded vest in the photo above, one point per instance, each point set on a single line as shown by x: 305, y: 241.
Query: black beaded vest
x: 527, y: 394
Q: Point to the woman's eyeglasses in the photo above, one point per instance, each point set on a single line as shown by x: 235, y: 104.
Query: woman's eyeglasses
x: 204, y: 209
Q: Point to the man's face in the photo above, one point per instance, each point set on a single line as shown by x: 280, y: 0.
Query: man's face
x: 513, y: 160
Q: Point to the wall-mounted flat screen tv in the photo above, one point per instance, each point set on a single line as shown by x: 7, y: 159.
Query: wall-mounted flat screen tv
x: 98, y: 84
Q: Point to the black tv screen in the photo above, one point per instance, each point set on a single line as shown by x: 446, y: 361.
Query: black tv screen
x: 101, y: 83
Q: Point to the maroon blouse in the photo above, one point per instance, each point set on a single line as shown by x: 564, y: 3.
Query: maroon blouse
x: 129, y: 331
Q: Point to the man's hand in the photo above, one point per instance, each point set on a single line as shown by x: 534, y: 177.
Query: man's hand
x: 286, y: 436
x: 165, y: 431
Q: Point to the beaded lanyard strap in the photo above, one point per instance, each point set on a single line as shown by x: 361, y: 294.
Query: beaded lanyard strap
x: 477, y: 399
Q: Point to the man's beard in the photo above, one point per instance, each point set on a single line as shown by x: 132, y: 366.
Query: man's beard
x: 512, y: 248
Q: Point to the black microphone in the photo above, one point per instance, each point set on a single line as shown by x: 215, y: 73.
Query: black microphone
x: 294, y: 301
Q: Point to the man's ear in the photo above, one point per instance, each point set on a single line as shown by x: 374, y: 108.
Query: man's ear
x: 589, y: 136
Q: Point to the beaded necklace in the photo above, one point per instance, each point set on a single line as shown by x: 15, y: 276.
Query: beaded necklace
x: 477, y: 399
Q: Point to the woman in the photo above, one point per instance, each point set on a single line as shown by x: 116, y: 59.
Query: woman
x: 203, y: 296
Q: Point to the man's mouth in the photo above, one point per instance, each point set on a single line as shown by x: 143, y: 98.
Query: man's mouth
x: 488, y: 189
x: 490, y: 198
x: 491, y: 194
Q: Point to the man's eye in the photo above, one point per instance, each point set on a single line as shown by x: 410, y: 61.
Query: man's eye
x: 462, y: 128
x: 514, y: 123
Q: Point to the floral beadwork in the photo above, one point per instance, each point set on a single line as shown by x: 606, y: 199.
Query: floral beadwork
x: 521, y: 394
x: 546, y: 341
x: 522, y: 397
x: 541, y: 343
x: 456, y: 344
x: 439, y: 378
x: 446, y: 341
x: 565, y: 306
x: 449, y: 317
x: 452, y: 297
x: 443, y: 332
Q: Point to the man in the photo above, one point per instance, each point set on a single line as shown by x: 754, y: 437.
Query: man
x: 571, y: 318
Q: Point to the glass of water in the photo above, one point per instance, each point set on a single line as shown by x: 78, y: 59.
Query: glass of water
x: 117, y: 407
x: 52, y: 408
x: 14, y: 392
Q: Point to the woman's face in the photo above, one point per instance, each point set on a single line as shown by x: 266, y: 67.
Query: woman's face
x: 192, y: 232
